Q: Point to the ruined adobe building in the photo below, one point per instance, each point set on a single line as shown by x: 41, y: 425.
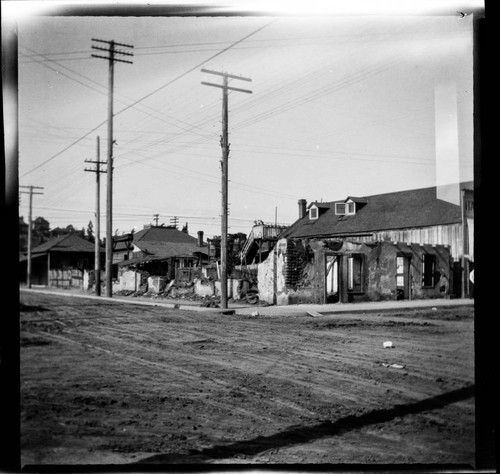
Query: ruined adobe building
x: 403, y: 245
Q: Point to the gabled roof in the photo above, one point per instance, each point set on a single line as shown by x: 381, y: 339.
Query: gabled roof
x: 320, y: 205
x: 167, y: 242
x: 163, y: 234
x: 358, y: 200
x: 65, y: 243
x: 167, y: 249
x: 390, y: 211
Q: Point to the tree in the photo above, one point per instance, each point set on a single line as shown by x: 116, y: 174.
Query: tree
x: 69, y: 229
x: 90, y: 232
x: 235, y: 243
x: 41, y: 231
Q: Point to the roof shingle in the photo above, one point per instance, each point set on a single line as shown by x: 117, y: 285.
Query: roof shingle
x: 65, y: 243
x: 390, y: 211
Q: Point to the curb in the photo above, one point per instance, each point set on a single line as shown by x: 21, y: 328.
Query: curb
x: 269, y: 311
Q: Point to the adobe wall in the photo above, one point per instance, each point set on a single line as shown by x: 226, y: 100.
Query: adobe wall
x: 299, y: 270
x: 298, y: 278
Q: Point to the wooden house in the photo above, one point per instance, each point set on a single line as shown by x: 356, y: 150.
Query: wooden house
x: 60, y: 262
x: 326, y: 232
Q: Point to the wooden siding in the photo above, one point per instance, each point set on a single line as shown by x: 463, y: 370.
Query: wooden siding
x: 450, y: 235
x: 66, y: 278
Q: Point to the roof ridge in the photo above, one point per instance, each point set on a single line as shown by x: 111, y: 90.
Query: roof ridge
x: 57, y: 240
x: 459, y: 183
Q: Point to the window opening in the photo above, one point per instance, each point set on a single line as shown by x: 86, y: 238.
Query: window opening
x: 354, y: 273
x: 400, y: 271
x: 428, y: 270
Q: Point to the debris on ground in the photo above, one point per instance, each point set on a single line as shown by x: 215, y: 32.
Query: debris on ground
x: 394, y: 366
x: 388, y: 344
x: 211, y: 302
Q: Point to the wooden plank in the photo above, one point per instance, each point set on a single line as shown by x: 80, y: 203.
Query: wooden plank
x: 314, y: 314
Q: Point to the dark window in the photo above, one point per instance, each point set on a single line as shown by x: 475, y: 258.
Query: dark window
x: 314, y: 213
x: 428, y: 270
x: 355, y: 273
x: 309, y: 254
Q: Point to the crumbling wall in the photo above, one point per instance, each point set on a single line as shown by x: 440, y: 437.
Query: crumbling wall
x: 270, y: 269
x: 290, y: 273
x: 133, y: 280
x: 294, y: 272
x: 187, y: 274
x: 204, y: 287
x: 381, y: 269
x: 156, y: 284
x: 443, y: 265
x: 381, y: 272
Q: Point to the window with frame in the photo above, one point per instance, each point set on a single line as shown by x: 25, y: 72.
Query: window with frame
x: 313, y: 213
x: 355, y: 273
x: 345, y: 208
x: 428, y: 270
x: 340, y: 208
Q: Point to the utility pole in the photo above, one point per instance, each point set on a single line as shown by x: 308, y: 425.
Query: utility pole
x: 111, y: 58
x: 174, y: 221
x: 30, y: 225
x: 224, y: 167
x: 155, y: 218
x: 97, y: 264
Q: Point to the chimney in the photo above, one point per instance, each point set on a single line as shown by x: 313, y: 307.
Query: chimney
x: 200, y: 238
x: 302, y: 208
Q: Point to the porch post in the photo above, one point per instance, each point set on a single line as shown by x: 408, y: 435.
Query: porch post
x: 344, y: 278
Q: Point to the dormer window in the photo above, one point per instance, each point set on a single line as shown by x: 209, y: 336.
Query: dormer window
x: 345, y: 208
x: 313, y: 212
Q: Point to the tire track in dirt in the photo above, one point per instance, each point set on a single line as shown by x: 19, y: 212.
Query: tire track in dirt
x: 306, y: 385
x: 353, y: 360
x: 285, y: 371
x: 195, y: 360
x: 295, y: 366
x: 188, y: 374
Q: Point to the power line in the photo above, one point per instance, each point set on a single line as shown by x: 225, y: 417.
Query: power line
x: 224, y: 168
x: 190, y: 129
x: 150, y: 94
x: 112, y: 57
x: 98, y: 172
x: 31, y: 192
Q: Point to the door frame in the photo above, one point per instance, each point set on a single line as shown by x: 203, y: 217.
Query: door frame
x: 406, y: 276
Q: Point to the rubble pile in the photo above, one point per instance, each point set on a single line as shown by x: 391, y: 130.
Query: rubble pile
x: 205, y: 291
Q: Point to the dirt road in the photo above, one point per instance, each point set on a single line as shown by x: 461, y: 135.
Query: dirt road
x: 108, y: 382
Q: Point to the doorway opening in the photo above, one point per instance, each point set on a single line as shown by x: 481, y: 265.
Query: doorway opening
x: 332, y: 278
x: 403, y: 288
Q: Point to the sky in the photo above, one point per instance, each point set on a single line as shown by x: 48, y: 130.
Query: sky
x: 341, y: 105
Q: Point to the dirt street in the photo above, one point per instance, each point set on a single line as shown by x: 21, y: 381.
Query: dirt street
x: 108, y: 382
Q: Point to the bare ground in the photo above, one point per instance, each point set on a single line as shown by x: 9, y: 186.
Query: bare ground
x: 113, y: 383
